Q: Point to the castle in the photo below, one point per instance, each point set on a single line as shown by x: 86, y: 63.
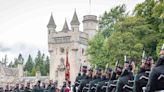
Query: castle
x: 74, y: 40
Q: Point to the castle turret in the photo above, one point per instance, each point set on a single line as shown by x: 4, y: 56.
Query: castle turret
x: 20, y: 69
x: 75, y: 22
x: 65, y: 27
x: 51, y: 25
x: 90, y: 25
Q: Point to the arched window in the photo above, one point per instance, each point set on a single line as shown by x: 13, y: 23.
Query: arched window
x: 62, y: 50
x: 82, y: 51
x: 62, y: 60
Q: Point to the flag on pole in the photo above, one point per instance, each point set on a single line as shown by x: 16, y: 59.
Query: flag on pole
x: 67, y: 67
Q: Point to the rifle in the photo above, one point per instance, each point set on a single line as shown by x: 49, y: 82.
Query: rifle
x: 116, y: 64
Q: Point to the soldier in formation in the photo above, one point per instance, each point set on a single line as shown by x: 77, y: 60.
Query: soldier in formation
x: 149, y: 78
x: 51, y: 87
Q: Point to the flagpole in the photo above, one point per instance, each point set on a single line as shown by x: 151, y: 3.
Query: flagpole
x: 89, y: 6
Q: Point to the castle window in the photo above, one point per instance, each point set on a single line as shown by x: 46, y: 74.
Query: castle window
x: 62, y: 61
x: 82, y: 51
x: 62, y: 50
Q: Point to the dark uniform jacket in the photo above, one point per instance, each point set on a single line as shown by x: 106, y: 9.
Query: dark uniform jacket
x: 100, y: 85
x: 27, y: 89
x: 93, y: 82
x: 83, y: 84
x: 139, y: 83
x: 113, y: 81
x: 38, y: 89
x: 78, y: 79
x: 123, y: 80
x: 154, y: 84
x: 16, y: 90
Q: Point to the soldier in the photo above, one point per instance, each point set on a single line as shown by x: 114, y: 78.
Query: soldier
x: 27, y: 88
x: 125, y: 76
x: 1, y: 89
x: 105, y: 78
x: 11, y: 88
x: 22, y: 88
x: 43, y: 85
x: 38, y: 88
x: 17, y: 88
x: 96, y: 79
x: 80, y: 78
x: 83, y: 83
x: 141, y: 78
x: 63, y: 87
x: 154, y: 83
x: 115, y: 75
x: 49, y: 85
x: 7, y: 88
x: 52, y: 88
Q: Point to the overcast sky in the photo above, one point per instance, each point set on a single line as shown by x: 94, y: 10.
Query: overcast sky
x: 23, y: 22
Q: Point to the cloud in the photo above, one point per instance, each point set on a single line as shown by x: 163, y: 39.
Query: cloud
x: 4, y: 48
x: 13, y: 50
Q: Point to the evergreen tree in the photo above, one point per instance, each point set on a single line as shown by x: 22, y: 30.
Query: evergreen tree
x: 47, y: 64
x: 33, y: 71
x: 10, y: 64
x: 29, y: 64
x: 16, y: 62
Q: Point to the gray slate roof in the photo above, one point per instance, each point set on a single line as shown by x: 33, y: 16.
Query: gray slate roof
x: 51, y: 22
x: 65, y: 27
x: 75, y: 20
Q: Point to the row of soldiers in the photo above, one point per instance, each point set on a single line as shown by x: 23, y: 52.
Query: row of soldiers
x: 39, y: 87
x: 150, y: 77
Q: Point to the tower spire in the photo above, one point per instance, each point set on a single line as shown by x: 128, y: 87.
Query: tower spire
x: 51, y: 22
x: 75, y: 20
x: 65, y: 27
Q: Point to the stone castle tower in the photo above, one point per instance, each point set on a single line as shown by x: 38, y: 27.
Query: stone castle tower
x: 74, y: 40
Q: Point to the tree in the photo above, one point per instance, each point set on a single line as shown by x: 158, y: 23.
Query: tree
x: 29, y: 64
x: 16, y: 62
x: 108, y: 19
x: 40, y: 63
x: 152, y: 11
x: 10, y: 64
x: 47, y: 62
x: 33, y: 71
x: 96, y: 51
x: 123, y: 43
x: 128, y: 34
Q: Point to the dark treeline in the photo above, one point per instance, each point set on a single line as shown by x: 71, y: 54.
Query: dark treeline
x: 38, y: 63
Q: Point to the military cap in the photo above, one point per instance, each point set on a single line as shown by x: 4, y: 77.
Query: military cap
x: 98, y: 69
x: 84, y: 69
x: 109, y: 69
x: 39, y: 81
x: 90, y: 69
x: 149, y: 61
x: 119, y: 69
x: 126, y: 61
